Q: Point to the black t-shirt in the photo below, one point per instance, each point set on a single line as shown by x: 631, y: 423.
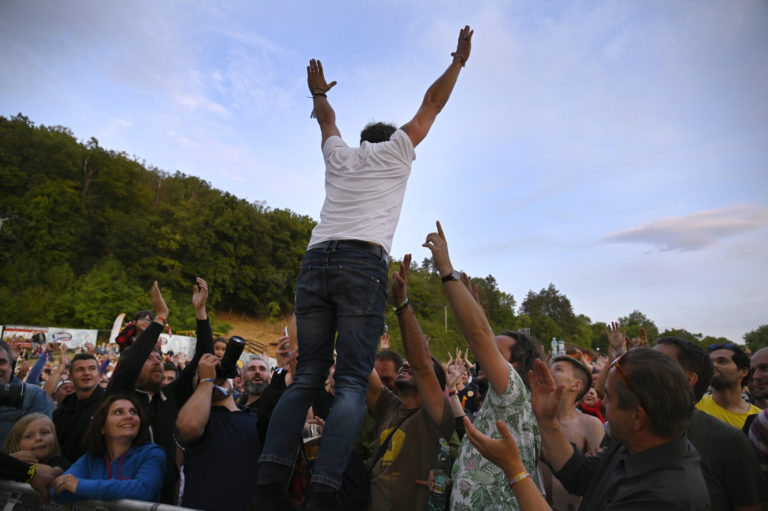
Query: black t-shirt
x: 218, y: 467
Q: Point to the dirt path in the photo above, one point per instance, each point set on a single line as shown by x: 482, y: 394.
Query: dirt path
x: 260, y: 334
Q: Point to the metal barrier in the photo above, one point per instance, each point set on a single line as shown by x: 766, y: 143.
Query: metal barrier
x: 21, y: 497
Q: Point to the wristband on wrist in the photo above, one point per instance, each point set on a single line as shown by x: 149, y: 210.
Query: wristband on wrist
x: 208, y: 379
x: 162, y: 320
x: 31, y: 471
x: 315, y: 94
x: 402, y: 306
x: 461, y: 58
x: 451, y: 392
x: 517, y: 478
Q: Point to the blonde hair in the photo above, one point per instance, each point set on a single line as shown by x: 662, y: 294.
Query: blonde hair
x: 12, y: 441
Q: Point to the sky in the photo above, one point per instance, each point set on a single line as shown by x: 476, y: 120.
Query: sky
x: 618, y: 149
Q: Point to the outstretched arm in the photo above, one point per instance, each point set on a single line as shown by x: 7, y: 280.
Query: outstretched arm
x: 323, y: 111
x: 438, y: 93
x: 474, y: 325
x: 415, y: 345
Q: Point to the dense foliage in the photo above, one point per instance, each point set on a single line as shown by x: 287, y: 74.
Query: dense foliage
x: 84, y: 231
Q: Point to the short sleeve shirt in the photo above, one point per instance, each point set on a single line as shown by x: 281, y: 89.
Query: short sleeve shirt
x: 411, y: 453
x: 477, y: 482
x: 364, y: 189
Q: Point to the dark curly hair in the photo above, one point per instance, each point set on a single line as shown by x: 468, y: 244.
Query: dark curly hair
x: 376, y: 132
x: 525, y: 351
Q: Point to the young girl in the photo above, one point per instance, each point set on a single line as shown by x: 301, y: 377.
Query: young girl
x: 33, y: 440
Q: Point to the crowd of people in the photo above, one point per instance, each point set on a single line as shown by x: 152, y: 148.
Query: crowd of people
x: 340, y: 421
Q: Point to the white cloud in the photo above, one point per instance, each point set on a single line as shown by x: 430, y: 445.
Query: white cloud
x: 695, y: 231
x: 198, y: 102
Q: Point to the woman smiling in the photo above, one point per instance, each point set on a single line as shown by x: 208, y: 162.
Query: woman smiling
x: 120, y: 462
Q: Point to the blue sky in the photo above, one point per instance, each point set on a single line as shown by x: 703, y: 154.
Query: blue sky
x: 616, y: 149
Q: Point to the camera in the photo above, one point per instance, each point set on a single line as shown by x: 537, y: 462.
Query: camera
x: 12, y: 394
x: 228, y: 367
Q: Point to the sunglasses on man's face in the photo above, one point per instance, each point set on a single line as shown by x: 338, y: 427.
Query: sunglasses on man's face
x: 617, y: 365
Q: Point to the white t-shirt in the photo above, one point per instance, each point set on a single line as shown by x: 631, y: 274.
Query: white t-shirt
x: 364, y: 189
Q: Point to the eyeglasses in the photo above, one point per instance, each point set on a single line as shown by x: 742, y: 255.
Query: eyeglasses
x: 726, y: 346
x: 617, y: 365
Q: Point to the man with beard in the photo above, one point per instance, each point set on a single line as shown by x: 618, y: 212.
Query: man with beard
x: 758, y: 387
x: 730, y: 468
x: 74, y: 414
x: 256, y: 377
x: 732, y: 372
x: 411, y: 421
x: 214, y: 434
x: 140, y: 372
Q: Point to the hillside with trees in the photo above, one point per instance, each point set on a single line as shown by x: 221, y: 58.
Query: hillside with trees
x: 84, y: 231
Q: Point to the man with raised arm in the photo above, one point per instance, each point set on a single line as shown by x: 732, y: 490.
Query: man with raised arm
x: 342, y: 283
x: 506, y: 359
x: 140, y: 372
x: 411, y: 421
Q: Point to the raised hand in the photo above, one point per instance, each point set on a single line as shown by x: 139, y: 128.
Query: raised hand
x: 200, y: 296
x: 385, y: 342
x: 158, y: 302
x: 473, y: 290
x: 400, y: 280
x: 316, y: 78
x: 206, y: 368
x: 636, y: 342
x: 283, y: 352
x: 464, y: 46
x: 453, y: 374
x: 617, y: 341
x: 439, y: 247
x: 545, y: 395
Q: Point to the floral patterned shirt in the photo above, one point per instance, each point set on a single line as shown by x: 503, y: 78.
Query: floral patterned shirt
x: 478, y: 483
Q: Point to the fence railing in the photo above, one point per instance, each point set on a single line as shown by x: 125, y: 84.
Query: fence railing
x: 21, y: 497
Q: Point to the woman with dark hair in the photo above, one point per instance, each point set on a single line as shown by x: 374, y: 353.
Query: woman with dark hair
x: 120, y: 462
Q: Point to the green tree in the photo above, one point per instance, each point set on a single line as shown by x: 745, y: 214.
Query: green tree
x: 757, y: 338
x: 680, y: 332
x: 634, y: 322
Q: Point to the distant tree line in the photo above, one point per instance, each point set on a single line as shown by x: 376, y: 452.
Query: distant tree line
x: 85, y: 230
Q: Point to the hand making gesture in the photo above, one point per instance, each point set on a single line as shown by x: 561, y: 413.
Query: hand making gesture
x: 439, y: 247
x: 400, y: 280
x: 316, y: 78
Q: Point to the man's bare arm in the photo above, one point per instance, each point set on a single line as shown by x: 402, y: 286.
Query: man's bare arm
x: 438, y: 93
x: 415, y: 346
x: 323, y: 111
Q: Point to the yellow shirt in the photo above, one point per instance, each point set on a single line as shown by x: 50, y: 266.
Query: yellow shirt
x: 708, y: 405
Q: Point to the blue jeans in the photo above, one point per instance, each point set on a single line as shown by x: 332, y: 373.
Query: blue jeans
x: 337, y: 290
